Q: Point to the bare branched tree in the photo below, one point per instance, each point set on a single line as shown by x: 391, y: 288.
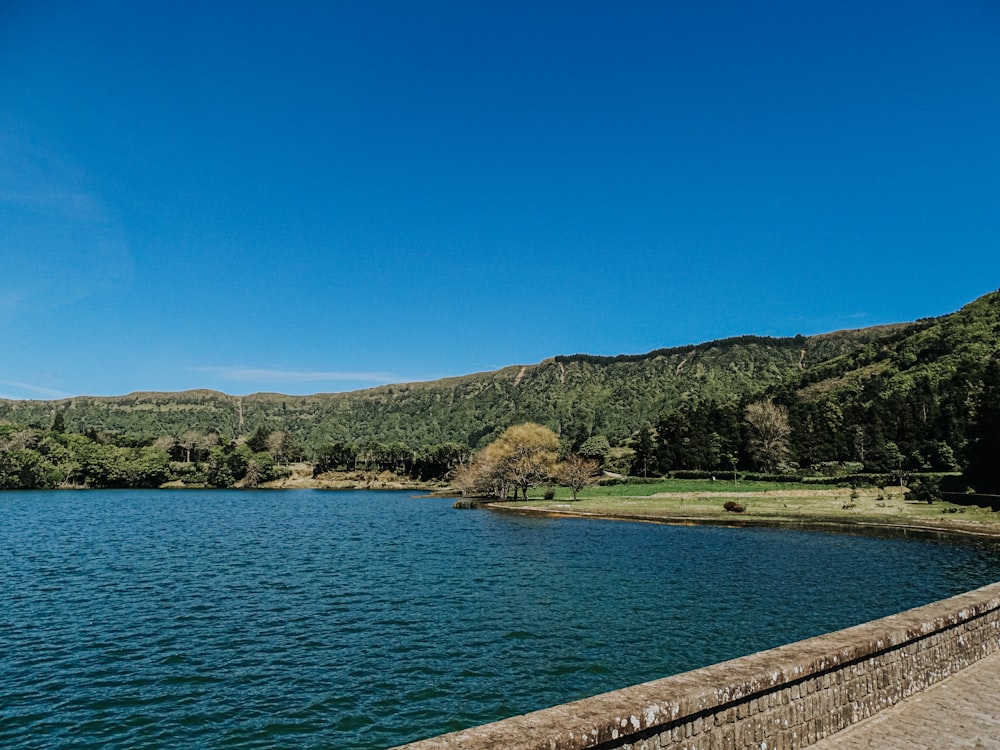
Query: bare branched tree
x: 576, y: 472
x: 769, y: 433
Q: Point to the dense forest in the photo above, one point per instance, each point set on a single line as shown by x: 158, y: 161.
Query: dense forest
x: 35, y: 458
x: 918, y: 397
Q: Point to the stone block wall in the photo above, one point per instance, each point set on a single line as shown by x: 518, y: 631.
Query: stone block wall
x: 781, y: 699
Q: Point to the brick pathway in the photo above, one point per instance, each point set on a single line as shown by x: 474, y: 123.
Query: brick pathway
x: 962, y: 711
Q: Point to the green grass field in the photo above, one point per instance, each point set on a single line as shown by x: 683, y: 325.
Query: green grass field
x: 674, y: 485
x: 771, y: 502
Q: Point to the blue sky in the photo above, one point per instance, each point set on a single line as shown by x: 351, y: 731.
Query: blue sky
x: 307, y: 197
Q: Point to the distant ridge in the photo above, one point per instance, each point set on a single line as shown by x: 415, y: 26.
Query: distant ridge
x: 578, y: 394
x: 747, y: 339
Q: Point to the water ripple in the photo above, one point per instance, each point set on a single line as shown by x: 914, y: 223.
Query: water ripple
x: 363, y: 620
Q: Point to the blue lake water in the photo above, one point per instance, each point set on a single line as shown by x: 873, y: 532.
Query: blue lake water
x: 310, y: 619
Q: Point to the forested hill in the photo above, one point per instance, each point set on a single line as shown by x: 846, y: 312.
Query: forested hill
x: 577, y: 395
x: 917, y: 399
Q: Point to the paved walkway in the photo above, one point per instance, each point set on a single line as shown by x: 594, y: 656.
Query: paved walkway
x: 962, y: 711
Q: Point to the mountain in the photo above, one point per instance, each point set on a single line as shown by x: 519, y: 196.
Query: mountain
x: 849, y: 392
x: 579, y: 394
x: 911, y: 399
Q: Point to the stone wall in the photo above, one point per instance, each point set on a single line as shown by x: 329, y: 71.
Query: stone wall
x: 784, y: 698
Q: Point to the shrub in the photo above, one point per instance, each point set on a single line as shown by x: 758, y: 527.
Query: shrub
x: 550, y: 494
x: 870, y: 480
x: 686, y: 474
x: 757, y: 476
x: 837, y: 468
x: 925, y: 490
x: 613, y: 481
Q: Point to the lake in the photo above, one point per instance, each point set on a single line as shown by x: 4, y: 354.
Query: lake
x: 312, y: 619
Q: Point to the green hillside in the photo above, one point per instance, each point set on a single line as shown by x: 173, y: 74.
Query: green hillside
x: 575, y: 395
x: 914, y: 397
x: 899, y: 399
x: 909, y: 397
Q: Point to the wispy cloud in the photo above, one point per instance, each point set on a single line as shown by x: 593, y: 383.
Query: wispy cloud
x: 33, y: 390
x: 61, y: 243
x: 267, y: 375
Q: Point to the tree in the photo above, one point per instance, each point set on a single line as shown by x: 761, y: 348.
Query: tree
x: 522, y: 457
x: 26, y: 469
x: 984, y: 451
x: 259, y: 468
x: 148, y: 467
x: 944, y: 457
x: 527, y: 453
x: 371, y: 455
x: 482, y: 478
x: 190, y: 441
x: 437, y: 461
x: 925, y: 490
x: 220, y: 474
x: 337, y: 456
x: 595, y: 448
x: 284, y: 447
x: 894, y: 457
x: 166, y: 443
x: 397, y: 458
x: 238, y: 460
x: 769, y: 431
x: 258, y: 441
x: 103, y: 465
x: 644, y: 457
x: 576, y: 472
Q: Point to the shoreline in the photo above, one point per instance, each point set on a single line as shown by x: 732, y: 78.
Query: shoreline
x: 805, y: 522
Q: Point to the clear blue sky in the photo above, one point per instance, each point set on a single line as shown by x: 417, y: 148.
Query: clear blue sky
x: 321, y: 196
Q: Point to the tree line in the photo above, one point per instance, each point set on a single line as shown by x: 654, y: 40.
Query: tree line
x: 524, y: 456
x: 919, y: 397
x: 781, y: 433
x: 884, y: 425
x: 36, y: 458
x: 427, y: 463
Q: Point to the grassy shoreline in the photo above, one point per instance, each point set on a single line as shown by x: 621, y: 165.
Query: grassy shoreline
x: 868, y: 510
